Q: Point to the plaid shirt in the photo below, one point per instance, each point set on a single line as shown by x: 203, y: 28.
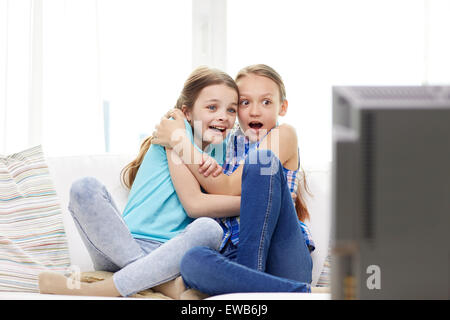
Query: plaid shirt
x: 238, y: 147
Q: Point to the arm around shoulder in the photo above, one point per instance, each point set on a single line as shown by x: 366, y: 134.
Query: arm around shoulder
x: 195, y: 202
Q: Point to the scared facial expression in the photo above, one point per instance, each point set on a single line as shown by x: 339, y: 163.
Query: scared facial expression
x: 259, y: 105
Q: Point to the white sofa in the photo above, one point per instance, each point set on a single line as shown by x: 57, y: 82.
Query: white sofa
x: 107, y: 167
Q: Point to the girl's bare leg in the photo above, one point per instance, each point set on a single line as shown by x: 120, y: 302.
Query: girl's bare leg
x: 173, y: 288
x: 192, y: 294
x: 56, y: 283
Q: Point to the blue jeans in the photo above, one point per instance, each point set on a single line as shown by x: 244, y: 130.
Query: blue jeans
x: 272, y: 255
x: 137, y: 264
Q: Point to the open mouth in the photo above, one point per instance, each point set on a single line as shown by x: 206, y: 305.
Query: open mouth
x: 255, y: 125
x: 217, y: 128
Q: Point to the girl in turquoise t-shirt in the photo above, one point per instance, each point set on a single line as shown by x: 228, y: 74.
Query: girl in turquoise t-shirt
x: 143, y: 246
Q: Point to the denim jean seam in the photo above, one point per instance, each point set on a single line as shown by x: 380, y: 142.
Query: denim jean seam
x: 111, y: 201
x: 264, y: 229
x: 116, y: 211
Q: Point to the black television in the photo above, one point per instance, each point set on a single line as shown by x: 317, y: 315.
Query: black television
x: 391, y: 192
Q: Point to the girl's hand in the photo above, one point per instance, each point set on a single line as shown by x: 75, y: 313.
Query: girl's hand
x: 168, y: 132
x: 209, y: 166
x: 175, y: 113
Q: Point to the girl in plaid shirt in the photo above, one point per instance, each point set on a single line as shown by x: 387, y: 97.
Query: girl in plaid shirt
x: 268, y: 247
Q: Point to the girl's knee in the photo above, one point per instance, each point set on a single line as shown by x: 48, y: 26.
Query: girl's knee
x: 83, y: 190
x: 208, y: 231
x: 191, y: 258
x: 192, y: 262
x: 84, y: 185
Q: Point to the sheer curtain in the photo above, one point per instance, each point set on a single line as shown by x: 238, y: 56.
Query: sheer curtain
x: 89, y: 76
x: 114, y: 68
x: 49, y: 80
x: 317, y: 44
x: 145, y: 57
x: 72, y: 114
x: 15, y: 73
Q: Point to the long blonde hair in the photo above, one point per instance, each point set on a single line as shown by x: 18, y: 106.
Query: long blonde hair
x: 268, y: 72
x: 199, y: 79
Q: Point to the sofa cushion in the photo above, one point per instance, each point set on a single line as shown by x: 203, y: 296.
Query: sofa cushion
x: 32, y: 236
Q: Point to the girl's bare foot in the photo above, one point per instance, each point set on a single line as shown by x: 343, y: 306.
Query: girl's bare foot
x: 173, y: 288
x: 52, y: 282
x: 192, y: 294
x: 56, y: 283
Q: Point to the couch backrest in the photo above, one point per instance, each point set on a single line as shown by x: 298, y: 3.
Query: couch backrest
x: 65, y: 170
x: 106, y: 168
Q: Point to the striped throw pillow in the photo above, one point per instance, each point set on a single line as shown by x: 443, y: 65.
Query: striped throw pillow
x: 324, y: 279
x: 32, y: 236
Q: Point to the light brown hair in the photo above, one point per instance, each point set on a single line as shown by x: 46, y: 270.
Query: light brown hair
x: 264, y: 71
x: 268, y: 72
x: 199, y: 79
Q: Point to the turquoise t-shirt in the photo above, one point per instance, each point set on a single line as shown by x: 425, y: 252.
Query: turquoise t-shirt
x: 153, y: 210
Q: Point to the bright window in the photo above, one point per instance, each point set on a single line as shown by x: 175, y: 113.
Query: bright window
x: 317, y: 44
x: 14, y: 77
x: 97, y: 75
x: 113, y: 68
